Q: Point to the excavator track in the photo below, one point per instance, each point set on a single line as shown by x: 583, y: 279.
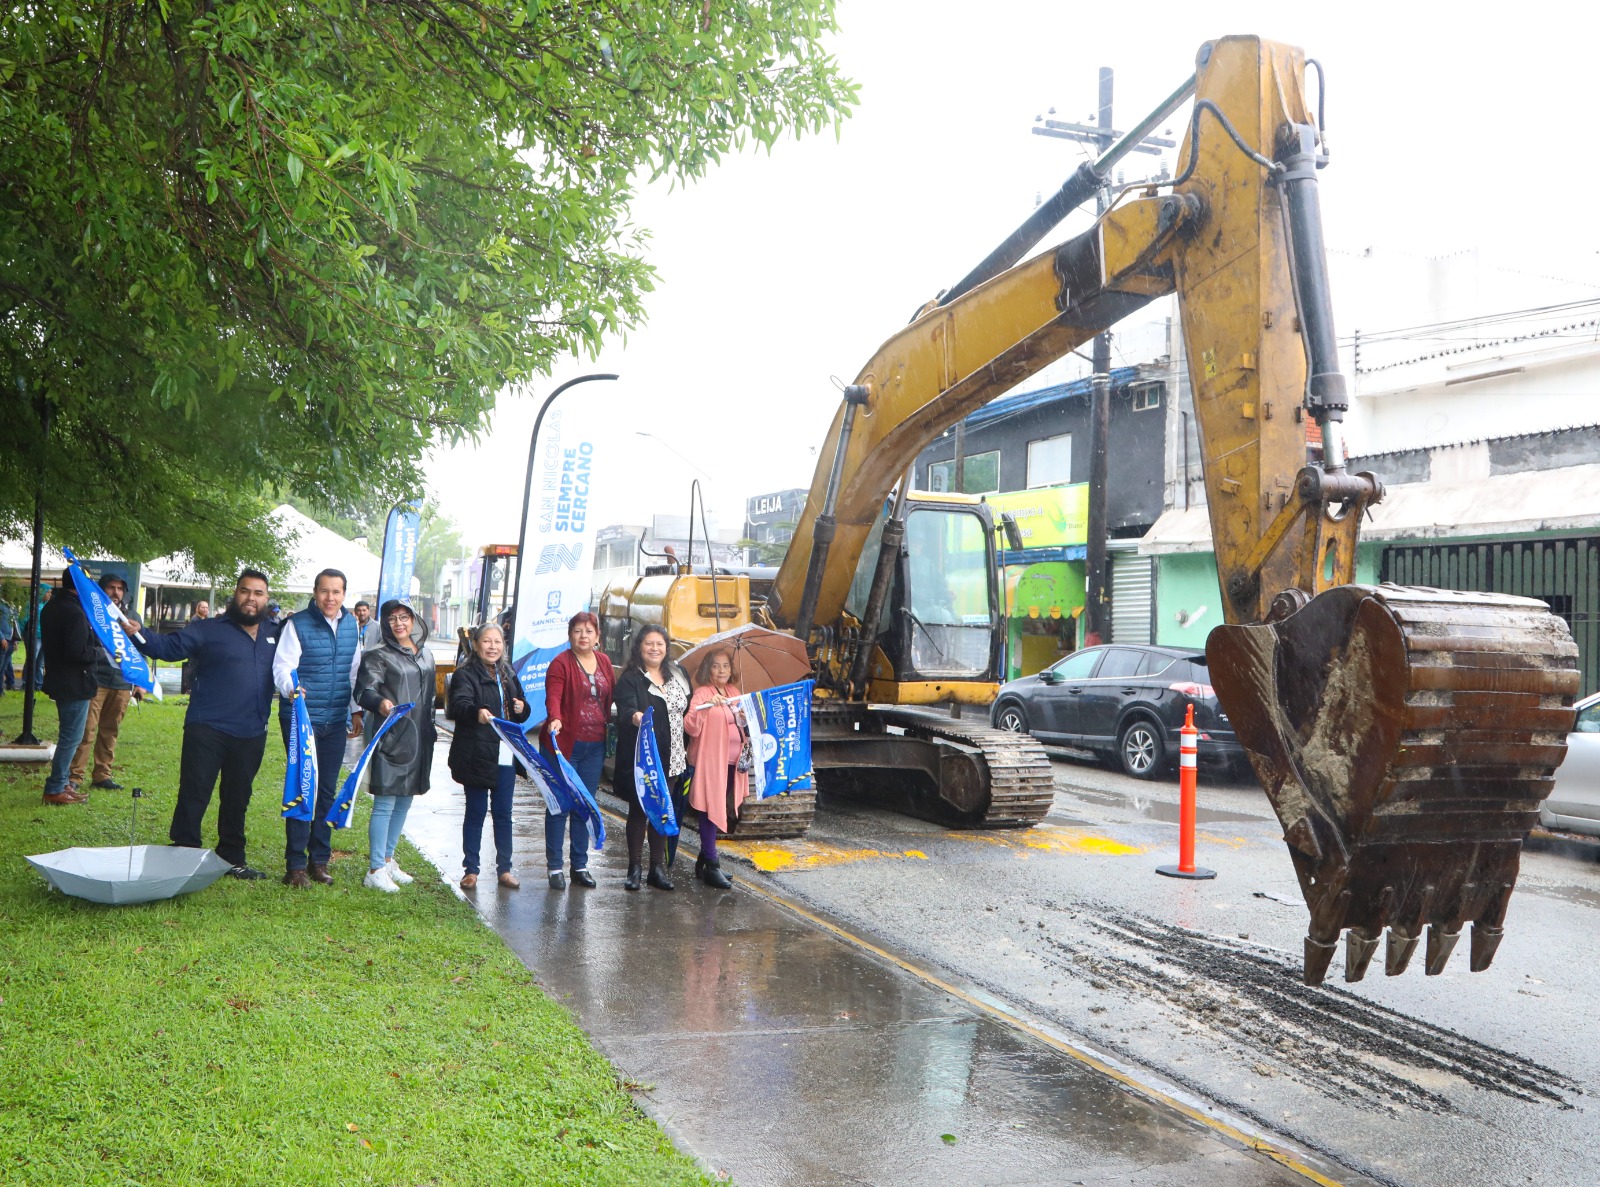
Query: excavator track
x: 932, y: 766
x: 1406, y: 738
x: 775, y: 818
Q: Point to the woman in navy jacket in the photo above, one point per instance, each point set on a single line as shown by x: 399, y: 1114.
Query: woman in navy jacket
x: 483, y: 688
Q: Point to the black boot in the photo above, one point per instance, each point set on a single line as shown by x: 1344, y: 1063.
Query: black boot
x: 631, y: 882
x: 700, y: 864
x: 658, y: 878
x: 715, y: 878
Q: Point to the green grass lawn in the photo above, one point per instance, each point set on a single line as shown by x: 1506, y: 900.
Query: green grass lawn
x: 254, y: 1034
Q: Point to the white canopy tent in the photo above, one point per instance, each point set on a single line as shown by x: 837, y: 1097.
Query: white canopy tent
x: 311, y: 549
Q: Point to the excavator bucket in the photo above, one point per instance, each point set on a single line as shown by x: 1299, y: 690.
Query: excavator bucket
x: 1406, y: 738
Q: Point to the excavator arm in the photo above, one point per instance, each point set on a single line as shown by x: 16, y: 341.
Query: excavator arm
x: 1405, y: 737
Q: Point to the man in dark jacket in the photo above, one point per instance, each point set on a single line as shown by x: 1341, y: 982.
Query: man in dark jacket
x: 323, y: 645
x: 225, y: 729
x: 70, y: 648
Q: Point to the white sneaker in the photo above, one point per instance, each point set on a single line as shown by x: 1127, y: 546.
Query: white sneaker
x: 397, y: 875
x: 380, y: 880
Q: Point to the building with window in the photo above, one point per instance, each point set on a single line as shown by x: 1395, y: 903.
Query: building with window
x: 1027, y: 454
x: 624, y: 551
x: 769, y: 523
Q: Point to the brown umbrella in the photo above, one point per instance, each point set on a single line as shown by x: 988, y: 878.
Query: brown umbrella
x: 762, y: 658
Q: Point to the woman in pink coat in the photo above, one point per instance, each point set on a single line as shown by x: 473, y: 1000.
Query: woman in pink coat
x: 716, y: 736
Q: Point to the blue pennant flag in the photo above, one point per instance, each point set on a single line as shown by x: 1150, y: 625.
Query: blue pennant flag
x: 779, y: 721
x: 401, y: 533
x: 650, y: 779
x: 106, y: 621
x: 345, y: 803
x: 300, y: 777
x: 562, y: 787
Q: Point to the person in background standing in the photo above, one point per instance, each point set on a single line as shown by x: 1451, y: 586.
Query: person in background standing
x: 106, y: 710
x: 370, y: 634
x: 577, y: 705
x: 483, y: 688
x: 201, y: 612
x: 321, y: 643
x: 225, y: 727
x: 10, y: 634
x: 649, y: 680
x: 70, y: 648
x: 32, y: 641
x: 399, y: 671
x: 719, y: 786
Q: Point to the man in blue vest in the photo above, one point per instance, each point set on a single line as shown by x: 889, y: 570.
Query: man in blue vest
x: 323, y: 643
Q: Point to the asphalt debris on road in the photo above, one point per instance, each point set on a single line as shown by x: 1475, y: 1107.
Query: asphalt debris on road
x: 1326, y: 1038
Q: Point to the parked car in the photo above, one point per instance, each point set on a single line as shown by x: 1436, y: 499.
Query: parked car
x: 1574, y: 804
x: 1126, y: 703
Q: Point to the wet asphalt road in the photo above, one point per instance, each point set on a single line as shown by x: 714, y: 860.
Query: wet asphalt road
x: 1488, y: 1078
x: 781, y: 1054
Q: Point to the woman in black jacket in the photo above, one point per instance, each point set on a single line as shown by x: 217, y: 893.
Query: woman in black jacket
x: 649, y: 681
x: 483, y: 688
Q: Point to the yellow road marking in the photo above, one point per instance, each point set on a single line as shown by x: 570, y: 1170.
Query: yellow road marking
x: 769, y: 857
x: 1053, y: 840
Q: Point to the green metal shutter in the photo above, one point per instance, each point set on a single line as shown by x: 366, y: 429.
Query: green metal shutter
x: 1562, y: 572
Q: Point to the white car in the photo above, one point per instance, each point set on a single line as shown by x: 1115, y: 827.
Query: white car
x: 1574, y: 805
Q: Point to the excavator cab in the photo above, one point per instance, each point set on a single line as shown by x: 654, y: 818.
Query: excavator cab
x: 940, y: 627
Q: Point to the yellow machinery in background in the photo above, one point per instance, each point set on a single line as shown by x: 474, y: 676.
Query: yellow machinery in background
x: 690, y: 607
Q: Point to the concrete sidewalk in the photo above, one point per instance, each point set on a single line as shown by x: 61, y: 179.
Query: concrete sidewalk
x: 782, y: 1054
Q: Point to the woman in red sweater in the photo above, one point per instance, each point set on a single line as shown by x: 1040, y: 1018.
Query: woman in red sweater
x: 577, y: 705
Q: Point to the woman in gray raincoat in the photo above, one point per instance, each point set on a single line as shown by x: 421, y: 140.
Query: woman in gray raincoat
x: 398, y: 671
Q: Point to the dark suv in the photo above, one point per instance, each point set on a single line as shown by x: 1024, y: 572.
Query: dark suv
x: 1125, y: 703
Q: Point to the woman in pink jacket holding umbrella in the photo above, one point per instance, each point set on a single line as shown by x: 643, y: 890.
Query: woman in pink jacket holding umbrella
x: 716, y: 739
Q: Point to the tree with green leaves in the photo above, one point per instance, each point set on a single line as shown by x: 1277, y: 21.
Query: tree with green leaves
x: 247, y: 246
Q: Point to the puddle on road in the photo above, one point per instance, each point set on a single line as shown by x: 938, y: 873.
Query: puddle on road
x: 1567, y: 894
x: 1163, y: 810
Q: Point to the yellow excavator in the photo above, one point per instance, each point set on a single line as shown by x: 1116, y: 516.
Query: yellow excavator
x: 1404, y: 736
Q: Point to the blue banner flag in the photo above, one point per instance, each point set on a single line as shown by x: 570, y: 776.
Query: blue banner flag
x: 344, y: 803
x: 106, y: 621
x: 300, y: 776
x: 400, y: 536
x: 650, y: 779
x: 779, y: 721
x: 562, y: 787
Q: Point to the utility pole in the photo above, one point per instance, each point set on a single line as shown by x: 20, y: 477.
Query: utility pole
x: 1096, y: 600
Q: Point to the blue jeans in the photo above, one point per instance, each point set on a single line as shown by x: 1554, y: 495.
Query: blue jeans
x: 73, y: 715
x: 383, y: 830
x: 480, y: 802
x: 587, y: 759
x: 316, y: 833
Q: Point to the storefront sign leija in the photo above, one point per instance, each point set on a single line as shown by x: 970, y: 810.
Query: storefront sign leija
x: 1047, y: 517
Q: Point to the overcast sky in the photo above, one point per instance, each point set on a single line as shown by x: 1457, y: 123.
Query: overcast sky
x: 1450, y: 128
